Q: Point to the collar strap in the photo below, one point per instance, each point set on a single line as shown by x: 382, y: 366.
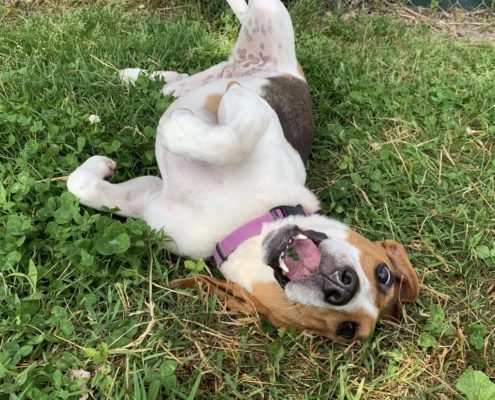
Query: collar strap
x: 227, y: 246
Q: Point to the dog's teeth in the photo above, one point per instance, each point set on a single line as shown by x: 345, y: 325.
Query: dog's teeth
x: 300, y: 236
x: 283, y: 266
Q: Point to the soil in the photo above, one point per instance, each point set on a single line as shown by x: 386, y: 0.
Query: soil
x: 477, y: 25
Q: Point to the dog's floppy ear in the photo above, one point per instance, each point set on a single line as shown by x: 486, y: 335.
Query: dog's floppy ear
x: 235, y: 297
x: 407, y: 280
x: 406, y: 283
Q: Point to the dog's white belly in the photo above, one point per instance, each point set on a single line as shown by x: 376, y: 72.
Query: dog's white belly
x: 201, y: 203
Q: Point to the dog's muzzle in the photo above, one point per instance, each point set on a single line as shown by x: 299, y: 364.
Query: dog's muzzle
x: 297, y: 256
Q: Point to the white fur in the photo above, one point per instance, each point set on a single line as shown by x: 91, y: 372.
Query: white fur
x: 243, y: 117
x: 239, y: 7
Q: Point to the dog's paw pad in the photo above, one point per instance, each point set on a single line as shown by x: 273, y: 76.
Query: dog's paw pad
x: 110, y: 167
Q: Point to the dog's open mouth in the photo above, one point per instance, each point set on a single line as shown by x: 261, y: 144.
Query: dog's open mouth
x: 294, y: 254
x: 300, y: 258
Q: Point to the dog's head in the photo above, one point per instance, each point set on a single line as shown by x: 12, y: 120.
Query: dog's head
x: 316, y: 273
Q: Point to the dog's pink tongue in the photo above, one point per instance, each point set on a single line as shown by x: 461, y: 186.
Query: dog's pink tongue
x: 306, y: 262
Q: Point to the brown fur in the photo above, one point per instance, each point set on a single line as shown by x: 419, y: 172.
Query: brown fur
x: 269, y: 300
x: 406, y: 286
x: 282, y: 312
x: 212, y: 102
x: 232, y: 83
x: 372, y: 254
x: 289, y: 97
x: 300, y: 70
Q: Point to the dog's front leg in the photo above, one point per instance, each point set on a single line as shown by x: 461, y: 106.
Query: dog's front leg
x: 129, y: 76
x: 243, y: 117
x: 88, y: 183
x: 176, y: 84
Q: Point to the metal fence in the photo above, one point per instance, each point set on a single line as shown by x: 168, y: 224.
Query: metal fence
x: 446, y: 5
x: 438, y: 5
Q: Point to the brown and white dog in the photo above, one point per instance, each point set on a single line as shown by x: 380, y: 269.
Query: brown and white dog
x: 231, y: 151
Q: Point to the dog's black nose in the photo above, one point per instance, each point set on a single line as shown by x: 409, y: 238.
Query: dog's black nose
x: 340, y: 286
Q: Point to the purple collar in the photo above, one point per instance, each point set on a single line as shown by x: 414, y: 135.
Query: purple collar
x: 227, y: 246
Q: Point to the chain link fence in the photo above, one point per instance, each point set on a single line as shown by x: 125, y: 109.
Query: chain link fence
x: 446, y: 5
x: 434, y: 5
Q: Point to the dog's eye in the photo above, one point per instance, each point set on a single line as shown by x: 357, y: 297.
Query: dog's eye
x: 347, y: 329
x: 384, y: 275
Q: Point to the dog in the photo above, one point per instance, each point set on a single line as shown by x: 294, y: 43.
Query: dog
x: 231, y: 150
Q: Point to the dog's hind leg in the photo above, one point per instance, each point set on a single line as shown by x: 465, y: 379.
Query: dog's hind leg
x: 243, y: 117
x: 88, y: 183
x: 239, y: 7
x: 266, y: 40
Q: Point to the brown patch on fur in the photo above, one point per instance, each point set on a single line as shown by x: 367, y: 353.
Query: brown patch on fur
x: 289, y: 97
x: 280, y: 311
x: 370, y: 255
x: 232, y: 83
x: 234, y: 296
x: 406, y: 286
x: 212, y: 102
x: 269, y: 300
x: 407, y: 280
x: 300, y: 70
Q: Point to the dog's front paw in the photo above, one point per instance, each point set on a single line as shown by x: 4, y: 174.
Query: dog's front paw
x: 129, y: 76
x: 100, y: 166
x: 84, y: 181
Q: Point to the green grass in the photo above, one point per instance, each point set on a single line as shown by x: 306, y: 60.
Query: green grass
x: 395, y: 156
